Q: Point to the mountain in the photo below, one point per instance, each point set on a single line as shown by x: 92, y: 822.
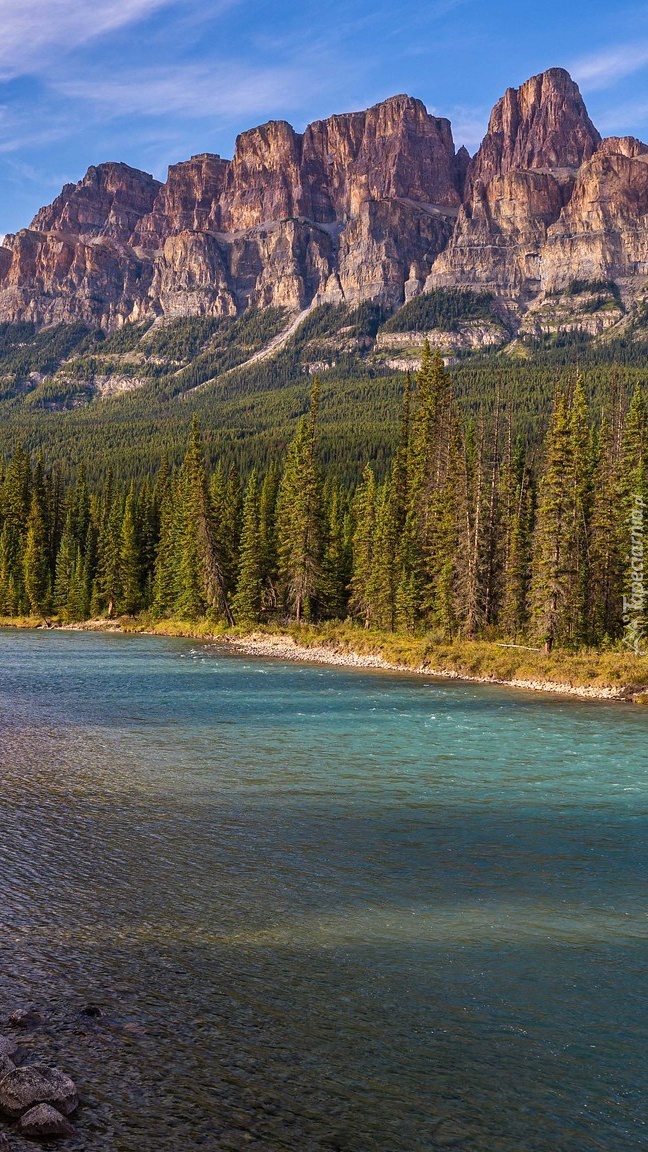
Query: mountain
x: 375, y: 205
x: 543, y: 230
x: 338, y: 213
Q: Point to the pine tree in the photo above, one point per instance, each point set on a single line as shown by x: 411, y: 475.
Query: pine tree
x: 65, y: 559
x: 16, y: 502
x: 107, y: 596
x: 514, y: 543
x: 225, y: 496
x: 78, y: 601
x: 471, y: 544
x: 364, y: 516
x: 165, y: 587
x: 381, y: 592
x: 35, y: 563
x: 248, y: 599
x: 336, y: 563
x: 605, y: 603
x: 299, y: 528
x: 199, y: 573
x: 268, y: 536
x: 633, y: 517
x: 130, y: 559
x: 429, y: 573
x: 579, y: 482
x: 551, y: 564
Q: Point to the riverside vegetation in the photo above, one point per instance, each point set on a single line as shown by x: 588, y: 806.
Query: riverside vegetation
x: 471, y: 538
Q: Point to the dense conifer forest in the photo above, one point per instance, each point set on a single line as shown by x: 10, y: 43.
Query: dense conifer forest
x: 470, y: 529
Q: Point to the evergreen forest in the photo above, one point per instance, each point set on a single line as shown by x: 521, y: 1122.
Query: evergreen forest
x: 466, y: 528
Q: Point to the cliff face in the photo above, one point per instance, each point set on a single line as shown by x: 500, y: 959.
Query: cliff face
x: 517, y: 185
x: 344, y: 211
x: 370, y: 205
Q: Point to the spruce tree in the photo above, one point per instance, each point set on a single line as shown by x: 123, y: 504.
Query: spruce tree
x: 130, y: 559
x: 633, y: 518
x: 65, y: 560
x: 299, y: 527
x: 247, y: 602
x: 551, y: 570
x: 579, y: 482
x: 268, y: 535
x: 165, y: 584
x: 199, y: 573
x: 35, y: 561
x: 336, y: 563
x: 429, y: 574
x: 514, y: 543
x: 364, y: 517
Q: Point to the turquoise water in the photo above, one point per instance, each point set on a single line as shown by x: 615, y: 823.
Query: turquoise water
x: 320, y: 908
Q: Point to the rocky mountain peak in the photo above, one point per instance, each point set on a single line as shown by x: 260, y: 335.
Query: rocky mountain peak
x: 109, y: 201
x: 369, y: 205
x: 541, y: 125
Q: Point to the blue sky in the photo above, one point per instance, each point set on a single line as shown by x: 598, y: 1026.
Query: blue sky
x: 152, y: 81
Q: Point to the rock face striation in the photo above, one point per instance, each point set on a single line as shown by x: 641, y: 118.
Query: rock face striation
x: 375, y: 205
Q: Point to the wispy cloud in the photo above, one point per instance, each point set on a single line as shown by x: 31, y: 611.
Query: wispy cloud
x: 197, y: 90
x: 603, y: 69
x: 32, y: 30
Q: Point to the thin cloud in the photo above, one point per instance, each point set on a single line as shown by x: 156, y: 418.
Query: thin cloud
x: 194, y: 90
x: 32, y: 29
x: 604, y: 69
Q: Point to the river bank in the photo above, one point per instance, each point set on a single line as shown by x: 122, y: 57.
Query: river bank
x: 612, y: 675
x: 286, y: 648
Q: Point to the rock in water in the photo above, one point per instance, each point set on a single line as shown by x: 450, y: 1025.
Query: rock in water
x: 4, y: 1142
x: 45, y: 1122
x: 26, y: 1018
x: 7, y: 1046
x: 6, y: 1065
x: 93, y: 1011
x: 21, y: 1089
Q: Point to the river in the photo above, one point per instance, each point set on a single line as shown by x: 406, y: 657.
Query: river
x: 322, y: 908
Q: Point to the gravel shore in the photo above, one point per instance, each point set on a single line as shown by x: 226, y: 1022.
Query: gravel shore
x: 285, y: 648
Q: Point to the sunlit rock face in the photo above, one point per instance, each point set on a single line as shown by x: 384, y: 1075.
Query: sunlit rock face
x: 371, y: 205
x: 517, y: 186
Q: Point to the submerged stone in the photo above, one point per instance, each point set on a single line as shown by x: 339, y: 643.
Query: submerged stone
x: 26, y: 1018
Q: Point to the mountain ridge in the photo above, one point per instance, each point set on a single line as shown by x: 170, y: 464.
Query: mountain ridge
x: 376, y: 206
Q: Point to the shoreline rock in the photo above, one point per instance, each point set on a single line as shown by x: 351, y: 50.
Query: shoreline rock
x: 285, y: 648
x: 44, y: 1122
x: 36, y: 1084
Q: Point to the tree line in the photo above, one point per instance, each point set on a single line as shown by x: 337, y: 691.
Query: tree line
x: 470, y: 533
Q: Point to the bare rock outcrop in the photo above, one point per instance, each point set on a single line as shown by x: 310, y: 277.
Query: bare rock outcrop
x: 517, y: 185
x: 108, y: 201
x: 370, y: 205
x: 189, y: 201
x: 55, y: 278
x: 541, y: 125
x: 602, y: 233
x: 353, y: 208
